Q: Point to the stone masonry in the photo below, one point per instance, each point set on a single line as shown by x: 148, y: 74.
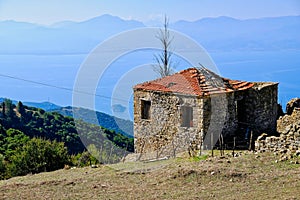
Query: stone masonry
x: 190, y: 109
x: 166, y: 137
x: 287, y: 144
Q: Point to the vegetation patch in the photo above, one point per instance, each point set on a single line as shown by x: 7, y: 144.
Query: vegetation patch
x: 33, y: 141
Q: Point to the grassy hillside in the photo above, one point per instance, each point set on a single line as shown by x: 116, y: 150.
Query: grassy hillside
x: 249, y: 176
x: 36, y: 122
x: 31, y: 139
x: 116, y: 124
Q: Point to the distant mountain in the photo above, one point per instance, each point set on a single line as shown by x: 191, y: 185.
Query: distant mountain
x: 61, y: 38
x: 47, y: 106
x: 62, y: 24
x: 222, y: 33
x: 225, y: 33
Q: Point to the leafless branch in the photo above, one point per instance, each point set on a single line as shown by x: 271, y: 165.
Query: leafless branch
x: 163, y: 60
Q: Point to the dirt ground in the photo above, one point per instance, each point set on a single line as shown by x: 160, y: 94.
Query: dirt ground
x: 249, y: 176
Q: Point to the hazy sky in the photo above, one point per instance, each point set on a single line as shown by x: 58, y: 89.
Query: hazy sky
x: 51, y: 11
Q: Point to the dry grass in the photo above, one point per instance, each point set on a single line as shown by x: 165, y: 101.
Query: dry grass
x: 246, y: 177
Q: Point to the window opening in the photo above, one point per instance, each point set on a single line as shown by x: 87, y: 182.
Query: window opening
x: 145, y: 109
x: 186, y: 116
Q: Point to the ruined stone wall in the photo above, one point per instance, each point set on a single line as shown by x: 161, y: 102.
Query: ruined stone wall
x: 261, y: 107
x: 222, y: 114
x: 288, y: 143
x: 162, y: 134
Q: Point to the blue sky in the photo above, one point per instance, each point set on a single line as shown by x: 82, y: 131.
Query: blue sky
x: 51, y: 11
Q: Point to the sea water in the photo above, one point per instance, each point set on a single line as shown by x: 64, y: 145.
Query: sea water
x: 40, y: 78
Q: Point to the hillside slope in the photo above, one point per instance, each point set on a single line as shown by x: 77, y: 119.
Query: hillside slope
x: 76, y: 134
x: 116, y: 124
x: 249, y: 176
x: 107, y: 121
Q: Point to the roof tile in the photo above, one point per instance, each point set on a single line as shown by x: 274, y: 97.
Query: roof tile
x: 194, y: 81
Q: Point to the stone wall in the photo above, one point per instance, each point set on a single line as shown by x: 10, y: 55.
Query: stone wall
x: 233, y: 113
x: 288, y: 143
x: 162, y: 134
x: 261, y: 108
x: 293, y: 103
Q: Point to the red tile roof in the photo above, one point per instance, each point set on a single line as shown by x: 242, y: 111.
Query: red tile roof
x: 194, y: 81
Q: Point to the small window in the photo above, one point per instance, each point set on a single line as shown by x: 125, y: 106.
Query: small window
x: 145, y: 109
x: 186, y: 116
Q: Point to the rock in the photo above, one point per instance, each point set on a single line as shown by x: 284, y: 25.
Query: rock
x: 262, y: 136
x: 283, y: 158
x: 283, y: 151
x: 66, y: 167
x: 294, y: 103
x: 236, y: 155
x: 287, y: 129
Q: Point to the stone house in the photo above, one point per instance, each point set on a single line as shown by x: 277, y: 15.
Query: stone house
x: 191, y: 109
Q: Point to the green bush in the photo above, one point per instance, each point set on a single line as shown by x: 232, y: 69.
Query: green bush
x: 83, y: 159
x: 14, y: 140
x: 2, y: 167
x: 38, y: 155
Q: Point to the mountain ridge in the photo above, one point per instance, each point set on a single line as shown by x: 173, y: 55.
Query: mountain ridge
x: 108, y: 16
x: 220, y: 33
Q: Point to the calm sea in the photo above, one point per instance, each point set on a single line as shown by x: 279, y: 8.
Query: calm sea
x: 60, y: 72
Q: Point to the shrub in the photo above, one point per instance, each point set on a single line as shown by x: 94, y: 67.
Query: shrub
x: 2, y: 167
x: 14, y: 140
x: 38, y: 155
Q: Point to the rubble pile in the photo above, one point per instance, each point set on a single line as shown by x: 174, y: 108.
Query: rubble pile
x: 287, y: 144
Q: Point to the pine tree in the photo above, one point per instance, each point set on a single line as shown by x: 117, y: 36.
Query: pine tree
x: 20, y: 108
x: 8, y: 108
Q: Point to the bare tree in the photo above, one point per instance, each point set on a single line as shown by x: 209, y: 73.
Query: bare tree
x: 163, y: 60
